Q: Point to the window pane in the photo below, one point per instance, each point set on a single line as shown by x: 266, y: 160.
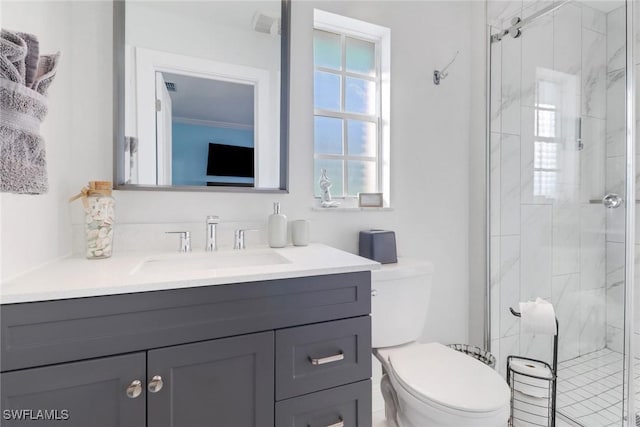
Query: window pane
x: 360, y: 96
x: 361, y: 138
x: 546, y: 123
x: 548, y: 93
x: 545, y: 155
x: 327, y: 135
x: 361, y: 56
x: 327, y: 51
x: 326, y: 91
x: 334, y: 173
x: 362, y: 177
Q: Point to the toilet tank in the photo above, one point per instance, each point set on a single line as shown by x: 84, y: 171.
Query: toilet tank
x: 400, y: 301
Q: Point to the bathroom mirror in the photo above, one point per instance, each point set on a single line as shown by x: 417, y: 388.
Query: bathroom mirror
x: 201, y: 92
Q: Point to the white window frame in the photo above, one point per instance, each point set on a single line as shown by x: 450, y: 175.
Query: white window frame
x: 381, y: 38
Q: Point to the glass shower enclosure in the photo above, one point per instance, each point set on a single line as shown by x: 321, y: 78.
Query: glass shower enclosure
x: 560, y: 168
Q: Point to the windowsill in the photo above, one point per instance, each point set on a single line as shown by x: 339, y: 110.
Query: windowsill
x: 347, y: 204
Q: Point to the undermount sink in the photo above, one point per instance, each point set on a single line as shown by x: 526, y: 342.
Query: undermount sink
x: 209, y: 261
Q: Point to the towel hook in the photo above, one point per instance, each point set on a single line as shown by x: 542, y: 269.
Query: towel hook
x: 442, y: 74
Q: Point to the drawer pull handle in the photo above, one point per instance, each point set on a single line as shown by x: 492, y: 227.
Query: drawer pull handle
x: 323, y: 361
x: 338, y: 424
x: 155, y: 385
x: 134, y: 389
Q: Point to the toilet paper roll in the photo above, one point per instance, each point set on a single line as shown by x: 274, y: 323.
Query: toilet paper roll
x: 538, y: 317
x: 524, y: 382
x: 529, y: 411
x: 523, y: 419
x: 532, y: 405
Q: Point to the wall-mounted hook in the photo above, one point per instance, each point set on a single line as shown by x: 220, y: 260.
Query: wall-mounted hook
x: 442, y: 74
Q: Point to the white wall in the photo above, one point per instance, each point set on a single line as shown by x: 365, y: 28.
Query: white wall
x: 430, y: 151
x: 36, y: 229
x: 429, y: 154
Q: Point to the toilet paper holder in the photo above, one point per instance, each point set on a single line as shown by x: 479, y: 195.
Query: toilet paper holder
x: 528, y: 410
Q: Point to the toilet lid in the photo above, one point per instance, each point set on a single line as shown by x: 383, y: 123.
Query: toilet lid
x: 436, y: 373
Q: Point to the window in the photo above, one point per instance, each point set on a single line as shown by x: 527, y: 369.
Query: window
x: 351, y: 105
x: 545, y: 164
x: 556, y: 133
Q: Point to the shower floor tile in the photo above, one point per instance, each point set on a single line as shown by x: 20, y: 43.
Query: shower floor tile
x: 590, y: 388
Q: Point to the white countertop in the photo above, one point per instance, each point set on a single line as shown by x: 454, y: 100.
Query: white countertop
x: 77, y: 277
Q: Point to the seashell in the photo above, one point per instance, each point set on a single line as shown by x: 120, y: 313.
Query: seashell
x: 99, y: 219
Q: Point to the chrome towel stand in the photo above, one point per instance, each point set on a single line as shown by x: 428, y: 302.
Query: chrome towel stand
x: 554, y: 369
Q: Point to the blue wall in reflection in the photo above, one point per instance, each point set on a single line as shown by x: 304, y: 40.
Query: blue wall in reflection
x: 191, y: 148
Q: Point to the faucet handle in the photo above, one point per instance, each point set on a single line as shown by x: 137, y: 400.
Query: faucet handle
x: 238, y: 241
x: 213, y: 219
x: 185, y: 240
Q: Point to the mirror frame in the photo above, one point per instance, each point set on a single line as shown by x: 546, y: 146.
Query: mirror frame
x: 119, y: 10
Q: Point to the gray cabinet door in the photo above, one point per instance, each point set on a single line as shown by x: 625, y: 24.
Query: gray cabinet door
x: 89, y: 393
x: 227, y: 382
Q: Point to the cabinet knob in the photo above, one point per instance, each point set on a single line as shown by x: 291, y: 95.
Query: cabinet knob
x: 155, y: 385
x: 135, y: 389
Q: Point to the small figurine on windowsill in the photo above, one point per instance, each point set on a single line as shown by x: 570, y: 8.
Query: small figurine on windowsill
x: 325, y: 186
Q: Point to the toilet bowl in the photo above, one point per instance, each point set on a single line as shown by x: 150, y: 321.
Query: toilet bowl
x: 427, y: 384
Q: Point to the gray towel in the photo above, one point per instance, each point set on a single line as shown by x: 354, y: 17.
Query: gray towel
x: 47, y: 67
x: 13, y: 51
x: 31, y: 60
x: 23, y: 165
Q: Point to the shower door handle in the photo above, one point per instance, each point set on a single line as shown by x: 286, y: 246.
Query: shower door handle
x: 612, y: 201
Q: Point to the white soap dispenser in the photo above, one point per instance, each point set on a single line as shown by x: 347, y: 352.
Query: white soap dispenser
x: 277, y: 228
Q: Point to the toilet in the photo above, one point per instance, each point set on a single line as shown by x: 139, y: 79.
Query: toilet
x: 427, y: 384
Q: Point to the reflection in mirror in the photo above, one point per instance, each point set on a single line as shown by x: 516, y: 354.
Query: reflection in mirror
x: 197, y: 116
x: 202, y: 101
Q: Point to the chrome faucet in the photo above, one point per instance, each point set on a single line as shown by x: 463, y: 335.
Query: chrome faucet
x: 212, y: 231
x: 238, y: 241
x: 185, y: 240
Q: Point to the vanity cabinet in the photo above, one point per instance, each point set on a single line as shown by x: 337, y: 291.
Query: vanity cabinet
x: 282, y: 353
x: 224, y: 382
x: 79, y: 394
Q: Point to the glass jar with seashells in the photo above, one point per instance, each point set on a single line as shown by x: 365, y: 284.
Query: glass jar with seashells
x: 99, y: 209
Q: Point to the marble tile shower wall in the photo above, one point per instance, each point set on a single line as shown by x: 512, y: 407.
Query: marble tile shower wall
x: 547, y: 240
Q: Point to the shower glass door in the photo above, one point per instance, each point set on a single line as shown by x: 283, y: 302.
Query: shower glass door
x: 557, y: 188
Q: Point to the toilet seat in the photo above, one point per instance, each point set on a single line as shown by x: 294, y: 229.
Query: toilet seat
x: 447, y: 380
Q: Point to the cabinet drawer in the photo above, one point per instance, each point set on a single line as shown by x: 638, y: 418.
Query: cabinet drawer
x: 346, y: 406
x: 320, y: 356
